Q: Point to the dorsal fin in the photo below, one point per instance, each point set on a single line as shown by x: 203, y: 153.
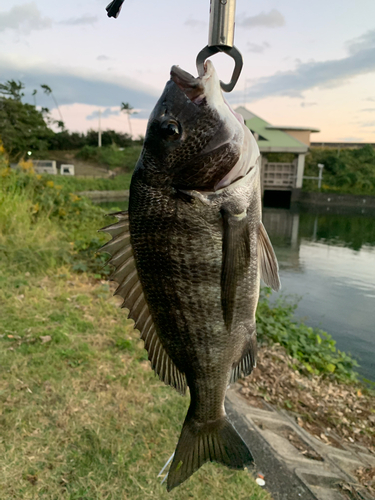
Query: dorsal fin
x: 269, y: 268
x: 130, y: 289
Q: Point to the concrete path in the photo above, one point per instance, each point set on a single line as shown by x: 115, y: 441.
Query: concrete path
x: 102, y: 196
x: 319, y: 472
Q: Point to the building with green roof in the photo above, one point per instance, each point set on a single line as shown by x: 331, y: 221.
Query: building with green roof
x: 279, y: 139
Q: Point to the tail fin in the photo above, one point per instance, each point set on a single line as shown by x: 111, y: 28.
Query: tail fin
x: 216, y: 441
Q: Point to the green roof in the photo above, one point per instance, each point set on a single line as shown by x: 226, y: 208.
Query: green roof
x: 271, y: 139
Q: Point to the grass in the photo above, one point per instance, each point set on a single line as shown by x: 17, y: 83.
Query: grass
x: 77, y: 184
x: 111, y: 156
x: 82, y: 414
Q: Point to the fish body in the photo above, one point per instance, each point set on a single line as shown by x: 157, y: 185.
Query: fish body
x: 188, y: 258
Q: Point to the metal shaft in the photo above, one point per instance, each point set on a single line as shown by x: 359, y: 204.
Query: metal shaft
x: 222, y: 17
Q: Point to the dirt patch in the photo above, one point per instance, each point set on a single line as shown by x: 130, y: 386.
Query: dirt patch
x: 332, y: 412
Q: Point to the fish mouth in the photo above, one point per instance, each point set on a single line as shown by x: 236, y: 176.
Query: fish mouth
x: 192, y: 87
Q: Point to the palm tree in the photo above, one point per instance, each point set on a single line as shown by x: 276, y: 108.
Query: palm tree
x: 129, y: 110
x: 48, y: 91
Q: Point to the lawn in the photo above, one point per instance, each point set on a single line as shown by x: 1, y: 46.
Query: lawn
x: 82, y: 415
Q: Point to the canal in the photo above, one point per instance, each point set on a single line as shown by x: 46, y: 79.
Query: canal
x: 327, y: 262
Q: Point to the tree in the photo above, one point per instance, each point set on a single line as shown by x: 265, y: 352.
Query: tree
x: 22, y: 126
x: 129, y: 110
x: 48, y: 91
x: 12, y: 89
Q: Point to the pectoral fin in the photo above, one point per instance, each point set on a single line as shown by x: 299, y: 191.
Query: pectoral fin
x: 269, y: 268
x: 236, y: 258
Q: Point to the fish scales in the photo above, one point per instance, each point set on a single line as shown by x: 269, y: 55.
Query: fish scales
x: 199, y: 249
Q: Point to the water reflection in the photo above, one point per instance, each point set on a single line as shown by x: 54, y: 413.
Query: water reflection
x: 329, y: 261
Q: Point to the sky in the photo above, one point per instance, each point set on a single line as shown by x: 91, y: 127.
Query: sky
x: 305, y: 63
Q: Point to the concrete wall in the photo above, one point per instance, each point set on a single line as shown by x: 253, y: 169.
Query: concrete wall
x: 300, y: 135
x: 332, y: 199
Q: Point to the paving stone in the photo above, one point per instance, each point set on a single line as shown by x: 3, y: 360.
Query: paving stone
x: 314, y: 466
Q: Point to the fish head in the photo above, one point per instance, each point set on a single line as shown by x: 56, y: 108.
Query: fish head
x: 194, y: 140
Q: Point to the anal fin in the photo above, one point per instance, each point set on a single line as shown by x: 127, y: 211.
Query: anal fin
x: 247, y: 362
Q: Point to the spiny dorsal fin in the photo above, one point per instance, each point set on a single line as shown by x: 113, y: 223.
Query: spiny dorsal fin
x: 236, y: 258
x: 130, y: 289
x: 269, y: 268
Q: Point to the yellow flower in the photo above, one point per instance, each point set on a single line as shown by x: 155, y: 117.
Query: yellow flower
x: 50, y: 184
x: 5, y: 172
x: 73, y: 197
x: 38, y: 177
x: 36, y: 208
x: 62, y: 212
x: 58, y: 188
x: 27, y: 166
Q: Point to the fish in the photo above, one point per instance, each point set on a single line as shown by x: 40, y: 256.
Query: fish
x: 188, y: 257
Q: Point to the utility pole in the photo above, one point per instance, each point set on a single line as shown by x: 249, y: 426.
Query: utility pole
x: 320, y: 178
x: 100, y: 130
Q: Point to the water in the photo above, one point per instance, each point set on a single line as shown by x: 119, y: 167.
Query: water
x: 329, y: 261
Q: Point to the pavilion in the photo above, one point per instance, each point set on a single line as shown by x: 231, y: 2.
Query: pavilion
x: 279, y: 139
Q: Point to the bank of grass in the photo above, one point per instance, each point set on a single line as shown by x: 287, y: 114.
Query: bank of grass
x: 111, y: 156
x: 77, y: 184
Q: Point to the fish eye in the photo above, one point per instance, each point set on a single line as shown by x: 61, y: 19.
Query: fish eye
x: 171, y: 130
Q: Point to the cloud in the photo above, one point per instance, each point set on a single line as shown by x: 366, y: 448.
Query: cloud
x: 195, y: 24
x: 103, y: 58
x: 368, y: 110
x: 367, y: 124
x: 105, y: 114
x: 308, y: 104
x: 272, y: 19
x: 371, y: 99
x: 80, y: 21
x: 350, y: 139
x: 319, y: 74
x: 25, y: 18
x: 76, y: 85
x: 257, y: 48
x: 363, y: 42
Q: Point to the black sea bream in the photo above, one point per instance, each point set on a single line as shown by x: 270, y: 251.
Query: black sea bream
x: 188, y: 259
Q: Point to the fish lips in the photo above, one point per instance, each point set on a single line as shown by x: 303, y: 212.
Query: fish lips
x: 192, y: 87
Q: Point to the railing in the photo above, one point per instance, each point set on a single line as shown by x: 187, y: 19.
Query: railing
x: 279, y: 175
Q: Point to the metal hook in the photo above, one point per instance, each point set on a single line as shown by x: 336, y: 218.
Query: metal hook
x: 233, y: 52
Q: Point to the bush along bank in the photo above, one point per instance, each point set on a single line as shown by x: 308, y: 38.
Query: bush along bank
x: 346, y: 171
